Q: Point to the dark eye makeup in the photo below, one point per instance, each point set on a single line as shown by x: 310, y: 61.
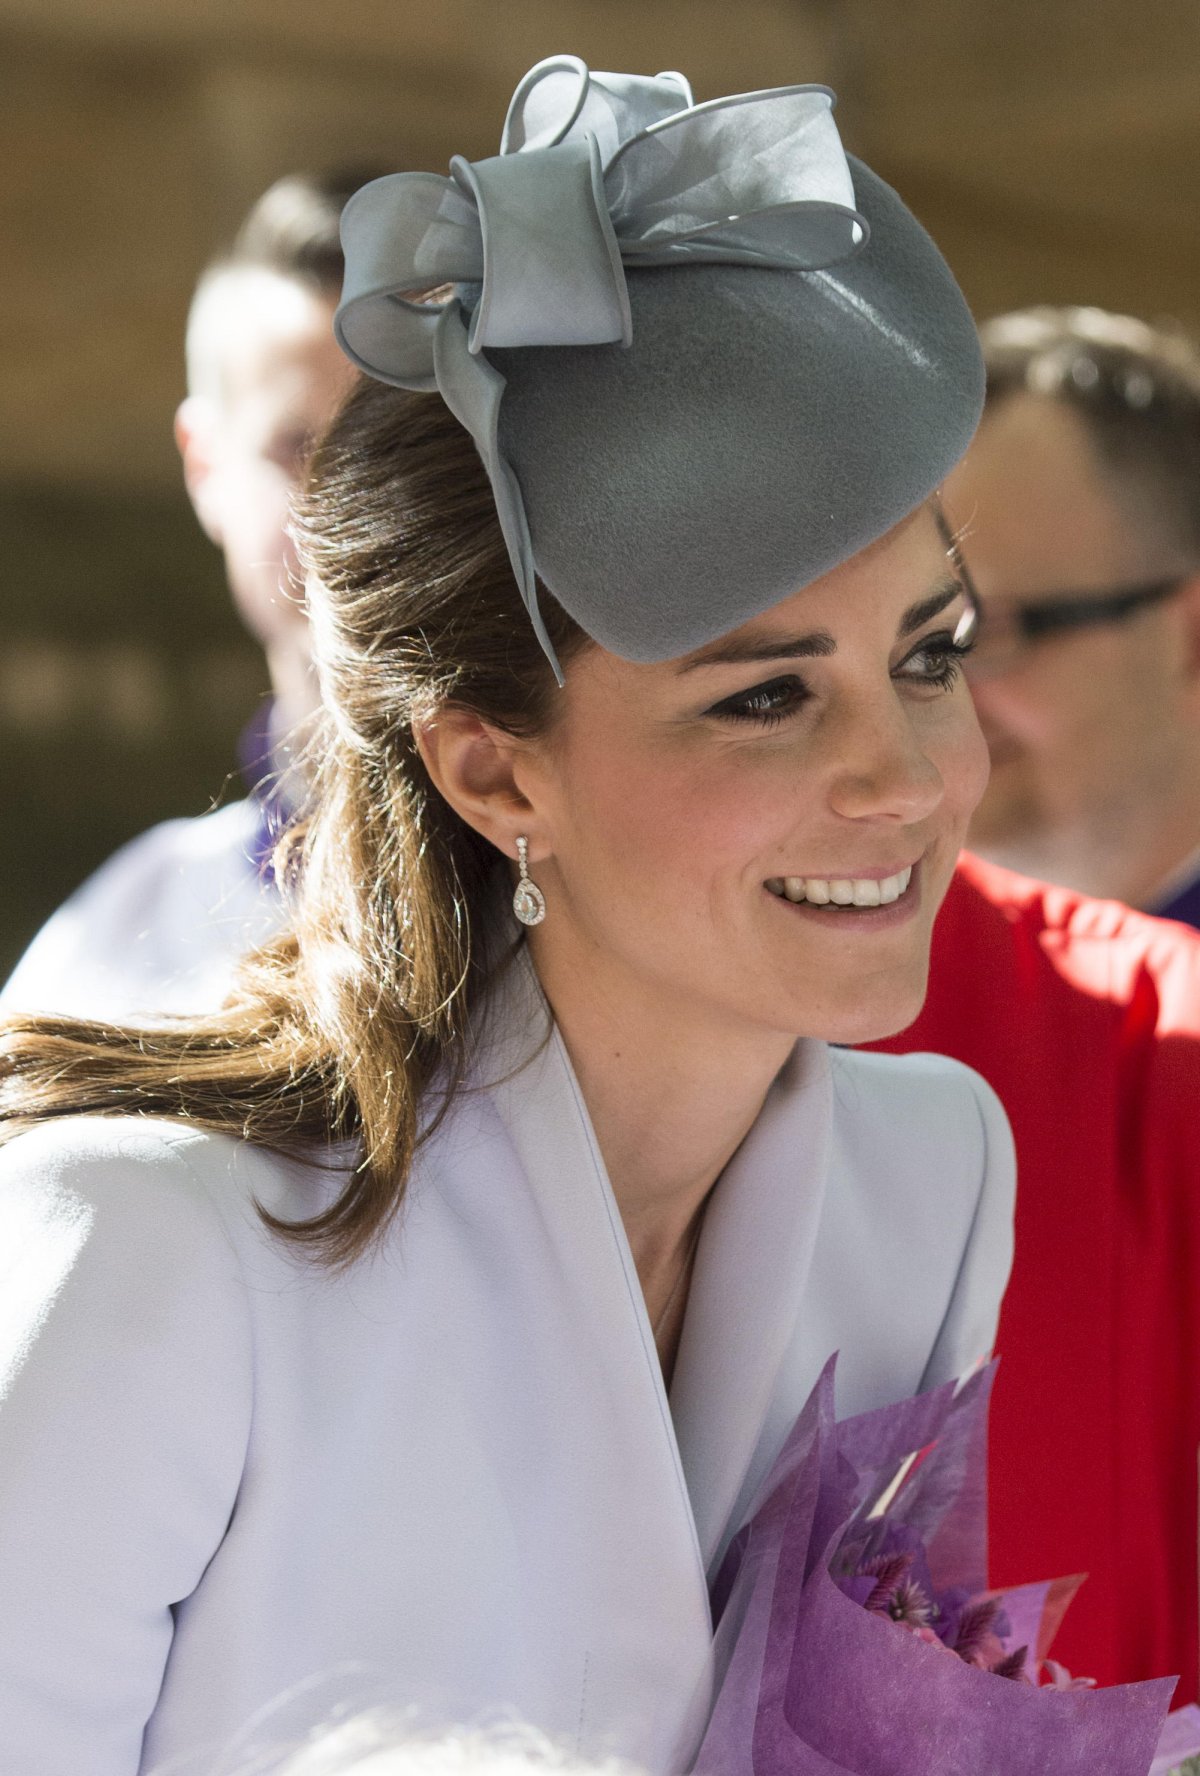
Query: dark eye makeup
x: 766, y: 703
x: 943, y: 653
x: 935, y: 662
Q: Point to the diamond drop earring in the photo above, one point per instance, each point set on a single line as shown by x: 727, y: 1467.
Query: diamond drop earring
x: 529, y: 903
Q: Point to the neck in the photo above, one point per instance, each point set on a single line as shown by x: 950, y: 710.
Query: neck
x: 296, y: 697
x: 671, y: 1092
x: 294, y: 708
x: 1164, y: 840
x: 1179, y: 873
x: 1131, y: 853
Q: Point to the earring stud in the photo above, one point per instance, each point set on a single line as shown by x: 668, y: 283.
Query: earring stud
x: 529, y: 903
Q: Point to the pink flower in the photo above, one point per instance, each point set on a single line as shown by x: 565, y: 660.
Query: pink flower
x: 1059, y: 1678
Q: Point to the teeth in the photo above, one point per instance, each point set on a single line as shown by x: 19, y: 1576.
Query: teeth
x: 861, y: 891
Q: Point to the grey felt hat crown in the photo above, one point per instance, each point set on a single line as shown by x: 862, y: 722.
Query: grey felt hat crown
x: 704, y: 355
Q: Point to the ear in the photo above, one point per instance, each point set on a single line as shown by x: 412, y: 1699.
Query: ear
x: 482, y: 772
x: 196, y: 427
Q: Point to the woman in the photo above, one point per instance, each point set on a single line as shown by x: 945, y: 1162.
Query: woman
x: 440, y: 1322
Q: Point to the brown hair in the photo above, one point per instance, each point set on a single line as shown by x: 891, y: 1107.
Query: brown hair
x: 293, y: 229
x: 1136, y: 389
x: 345, y: 1024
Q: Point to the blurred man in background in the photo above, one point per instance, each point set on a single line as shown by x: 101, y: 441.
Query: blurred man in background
x: 1080, y: 507
x: 160, y: 926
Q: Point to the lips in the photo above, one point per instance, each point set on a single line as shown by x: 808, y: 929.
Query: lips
x: 842, y: 891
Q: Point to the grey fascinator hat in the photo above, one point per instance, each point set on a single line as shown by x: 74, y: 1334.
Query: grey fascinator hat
x: 704, y: 355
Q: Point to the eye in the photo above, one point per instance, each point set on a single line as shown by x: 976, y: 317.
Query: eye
x: 937, y: 661
x: 766, y: 703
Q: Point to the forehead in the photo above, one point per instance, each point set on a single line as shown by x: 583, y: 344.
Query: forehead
x: 268, y: 333
x: 1036, y: 510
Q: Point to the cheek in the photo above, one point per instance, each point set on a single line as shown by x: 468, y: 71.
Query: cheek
x: 965, y: 766
x: 654, y: 813
x: 1014, y: 706
x: 1059, y: 696
x: 263, y: 504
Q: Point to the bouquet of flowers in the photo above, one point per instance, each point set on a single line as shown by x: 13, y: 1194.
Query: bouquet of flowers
x: 856, y: 1635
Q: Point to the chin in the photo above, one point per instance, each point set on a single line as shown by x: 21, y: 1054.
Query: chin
x: 875, y: 1017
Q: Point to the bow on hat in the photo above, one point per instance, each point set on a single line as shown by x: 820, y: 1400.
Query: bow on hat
x: 597, y: 174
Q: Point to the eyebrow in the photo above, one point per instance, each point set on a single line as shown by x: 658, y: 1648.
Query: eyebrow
x: 917, y: 615
x: 819, y: 644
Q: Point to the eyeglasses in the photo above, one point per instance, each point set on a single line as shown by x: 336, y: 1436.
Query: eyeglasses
x: 1006, y: 627
x: 1009, y: 626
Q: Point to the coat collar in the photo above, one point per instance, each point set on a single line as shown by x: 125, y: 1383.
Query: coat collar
x: 751, y: 1265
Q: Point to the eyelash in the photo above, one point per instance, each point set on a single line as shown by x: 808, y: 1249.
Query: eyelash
x: 749, y: 706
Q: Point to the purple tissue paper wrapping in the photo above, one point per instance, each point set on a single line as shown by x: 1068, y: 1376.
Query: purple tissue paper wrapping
x: 808, y: 1682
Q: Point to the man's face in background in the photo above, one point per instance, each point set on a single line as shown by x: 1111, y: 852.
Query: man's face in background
x: 1084, y: 725
x: 273, y: 376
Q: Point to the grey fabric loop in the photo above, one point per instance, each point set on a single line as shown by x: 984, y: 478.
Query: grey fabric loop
x: 552, y: 271
x: 472, y: 389
x: 403, y: 234
x: 758, y: 179
x: 597, y: 172
x: 562, y: 98
x: 761, y: 177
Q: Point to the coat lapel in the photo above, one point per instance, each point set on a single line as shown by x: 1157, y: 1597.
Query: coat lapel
x: 752, y: 1267
x: 752, y: 1264
x: 672, y: 1471
x: 647, y: 1567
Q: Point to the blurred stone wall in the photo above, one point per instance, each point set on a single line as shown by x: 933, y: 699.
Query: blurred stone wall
x: 1052, y: 147
x: 1053, y: 150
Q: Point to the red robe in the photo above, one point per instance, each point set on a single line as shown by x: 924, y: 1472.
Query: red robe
x: 1085, y: 1017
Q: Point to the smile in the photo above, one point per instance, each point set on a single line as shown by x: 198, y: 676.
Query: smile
x: 841, y: 891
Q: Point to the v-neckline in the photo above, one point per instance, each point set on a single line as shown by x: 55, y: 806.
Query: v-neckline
x: 752, y: 1260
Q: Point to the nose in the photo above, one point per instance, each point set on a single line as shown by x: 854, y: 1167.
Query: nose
x: 881, y: 768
